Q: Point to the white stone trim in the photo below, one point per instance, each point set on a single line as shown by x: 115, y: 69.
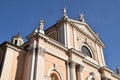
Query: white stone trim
x: 65, y: 33
x: 68, y: 36
x: 72, y: 70
x: 39, y: 67
x: 68, y: 72
x: 101, y: 50
x: 75, y: 38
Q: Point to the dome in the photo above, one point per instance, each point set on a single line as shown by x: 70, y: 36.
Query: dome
x: 17, y: 39
x: 17, y: 36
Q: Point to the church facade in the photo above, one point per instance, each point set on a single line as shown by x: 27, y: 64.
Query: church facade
x: 68, y: 50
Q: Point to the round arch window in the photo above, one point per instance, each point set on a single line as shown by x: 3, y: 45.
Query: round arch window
x: 86, y: 51
x: 54, y: 76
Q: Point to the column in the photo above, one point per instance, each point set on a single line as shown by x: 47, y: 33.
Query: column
x: 32, y: 65
x: 39, y: 64
x: 68, y: 72
x: 80, y: 69
x: 72, y: 70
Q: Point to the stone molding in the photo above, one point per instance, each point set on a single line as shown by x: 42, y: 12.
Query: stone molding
x: 53, y: 42
x: 91, y: 63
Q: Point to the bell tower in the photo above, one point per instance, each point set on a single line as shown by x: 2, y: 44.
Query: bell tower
x: 17, y: 40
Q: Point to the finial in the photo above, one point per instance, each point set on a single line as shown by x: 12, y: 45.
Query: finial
x: 64, y: 12
x: 41, y: 26
x: 81, y: 16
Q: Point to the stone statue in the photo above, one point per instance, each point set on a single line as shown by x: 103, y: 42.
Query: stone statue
x: 64, y: 11
x: 81, y: 18
x: 118, y: 70
x: 41, y: 25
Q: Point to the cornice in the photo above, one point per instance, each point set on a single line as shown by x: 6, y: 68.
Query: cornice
x: 10, y: 45
x: 110, y: 71
x: 78, y: 22
x: 53, y: 42
x: 107, y: 69
x: 113, y: 74
x: 77, y: 53
x: 91, y: 63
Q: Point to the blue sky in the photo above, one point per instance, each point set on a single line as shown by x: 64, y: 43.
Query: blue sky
x: 102, y: 15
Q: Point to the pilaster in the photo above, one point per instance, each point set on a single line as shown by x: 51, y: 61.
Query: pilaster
x: 80, y: 69
x: 30, y: 74
x: 68, y: 72
x: 39, y: 63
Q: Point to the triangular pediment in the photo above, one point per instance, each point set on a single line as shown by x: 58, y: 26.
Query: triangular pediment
x: 86, y: 30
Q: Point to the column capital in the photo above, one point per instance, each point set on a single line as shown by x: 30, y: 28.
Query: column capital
x: 40, y: 51
x: 72, y: 64
x: 80, y: 67
x: 31, y: 50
